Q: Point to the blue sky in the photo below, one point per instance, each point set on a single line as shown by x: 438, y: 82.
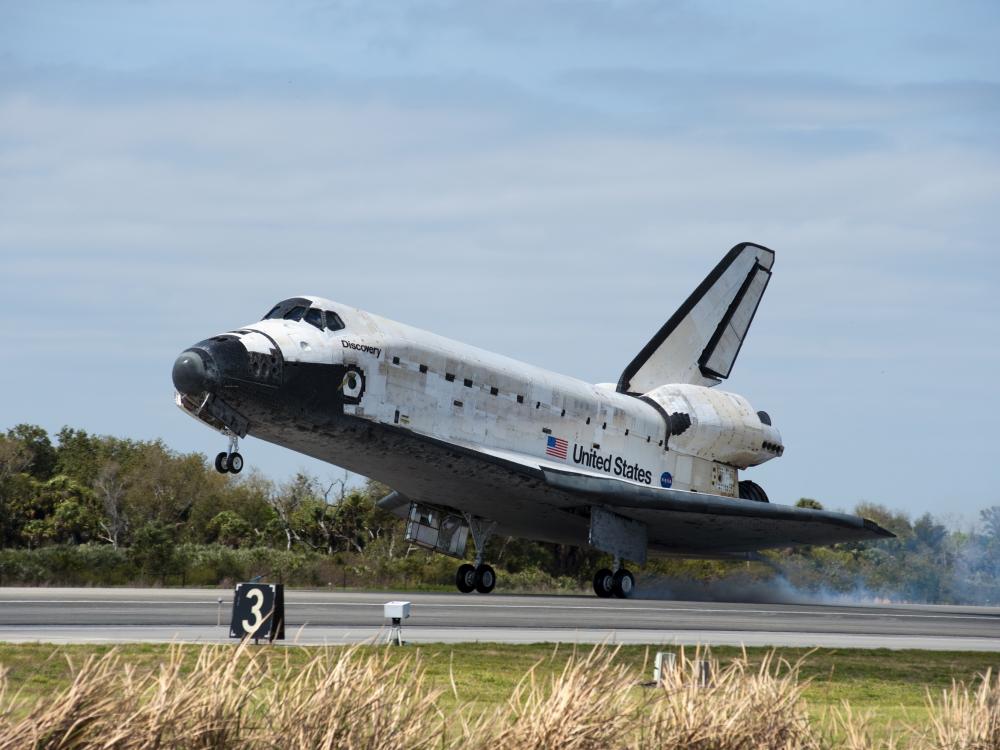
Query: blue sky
x: 547, y: 180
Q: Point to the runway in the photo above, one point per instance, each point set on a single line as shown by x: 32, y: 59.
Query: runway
x: 320, y: 617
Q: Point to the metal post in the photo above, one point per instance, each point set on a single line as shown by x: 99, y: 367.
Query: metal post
x: 396, y: 632
x: 665, y: 662
x: 218, y: 616
x: 704, y: 673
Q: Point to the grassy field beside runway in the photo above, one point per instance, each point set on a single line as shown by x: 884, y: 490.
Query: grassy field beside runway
x: 891, y: 686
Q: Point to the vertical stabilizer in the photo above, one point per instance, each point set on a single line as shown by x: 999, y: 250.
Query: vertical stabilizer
x: 700, y: 342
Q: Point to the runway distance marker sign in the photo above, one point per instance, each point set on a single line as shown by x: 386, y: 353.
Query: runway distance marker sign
x: 258, y: 611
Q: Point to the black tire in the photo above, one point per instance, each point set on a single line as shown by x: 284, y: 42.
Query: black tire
x: 465, y: 578
x: 623, y: 584
x: 220, y: 463
x: 486, y: 579
x: 752, y: 491
x: 604, y: 583
x: 234, y: 463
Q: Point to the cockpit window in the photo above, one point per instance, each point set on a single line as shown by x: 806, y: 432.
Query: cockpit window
x: 315, y: 317
x: 288, y: 305
x: 333, y: 321
x: 300, y: 308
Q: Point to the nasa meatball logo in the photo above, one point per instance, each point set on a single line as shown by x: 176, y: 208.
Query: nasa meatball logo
x: 665, y: 479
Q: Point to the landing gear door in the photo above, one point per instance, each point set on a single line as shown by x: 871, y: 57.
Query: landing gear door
x: 437, y: 530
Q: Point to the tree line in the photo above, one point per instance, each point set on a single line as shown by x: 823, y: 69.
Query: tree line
x: 96, y: 509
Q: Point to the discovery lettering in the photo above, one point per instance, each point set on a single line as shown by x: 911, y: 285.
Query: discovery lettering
x: 377, y: 351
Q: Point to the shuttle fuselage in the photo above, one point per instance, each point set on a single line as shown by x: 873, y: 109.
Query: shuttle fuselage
x: 475, y: 441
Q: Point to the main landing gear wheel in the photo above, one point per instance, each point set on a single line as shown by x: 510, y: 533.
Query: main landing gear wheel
x: 486, y: 579
x: 604, y: 584
x: 234, y: 464
x: 623, y: 584
x: 220, y: 462
x: 479, y: 577
x: 465, y: 578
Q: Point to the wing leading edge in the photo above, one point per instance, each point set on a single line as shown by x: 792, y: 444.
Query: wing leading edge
x: 692, y: 522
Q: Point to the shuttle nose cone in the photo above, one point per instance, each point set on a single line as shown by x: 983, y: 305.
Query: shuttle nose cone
x: 190, y: 373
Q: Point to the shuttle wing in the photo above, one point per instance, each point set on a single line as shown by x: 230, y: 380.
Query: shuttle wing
x: 683, y: 523
x: 694, y: 522
x: 700, y: 342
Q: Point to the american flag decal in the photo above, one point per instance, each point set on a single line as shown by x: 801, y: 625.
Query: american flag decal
x: 556, y: 447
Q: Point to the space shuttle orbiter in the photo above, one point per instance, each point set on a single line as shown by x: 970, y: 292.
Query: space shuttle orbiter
x: 472, y: 441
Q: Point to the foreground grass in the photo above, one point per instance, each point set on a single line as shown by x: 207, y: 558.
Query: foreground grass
x: 890, y: 687
x: 889, y: 683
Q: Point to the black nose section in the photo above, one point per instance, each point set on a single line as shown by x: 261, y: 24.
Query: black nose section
x: 191, y: 373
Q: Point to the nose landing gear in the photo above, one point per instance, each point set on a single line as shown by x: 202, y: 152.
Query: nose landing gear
x: 230, y: 462
x: 620, y: 583
x: 480, y: 576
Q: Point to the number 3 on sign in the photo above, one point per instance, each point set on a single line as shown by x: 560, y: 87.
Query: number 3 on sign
x: 251, y: 627
x: 258, y: 611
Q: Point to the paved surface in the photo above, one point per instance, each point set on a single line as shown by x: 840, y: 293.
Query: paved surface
x: 158, y: 615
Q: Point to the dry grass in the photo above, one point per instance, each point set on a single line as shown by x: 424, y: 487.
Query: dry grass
x: 737, y: 707
x: 587, y: 706
x: 963, y: 717
x: 364, y: 698
x: 232, y: 700
x: 966, y: 718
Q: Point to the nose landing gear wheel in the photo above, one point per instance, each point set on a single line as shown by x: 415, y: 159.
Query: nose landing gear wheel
x: 623, y: 584
x: 604, y: 583
x: 486, y: 579
x: 230, y: 461
x: 466, y: 578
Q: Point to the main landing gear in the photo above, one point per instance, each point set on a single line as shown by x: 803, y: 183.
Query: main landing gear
x: 230, y: 462
x: 480, y: 576
x: 620, y: 583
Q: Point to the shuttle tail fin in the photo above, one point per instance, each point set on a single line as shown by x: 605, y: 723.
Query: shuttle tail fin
x: 700, y: 342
